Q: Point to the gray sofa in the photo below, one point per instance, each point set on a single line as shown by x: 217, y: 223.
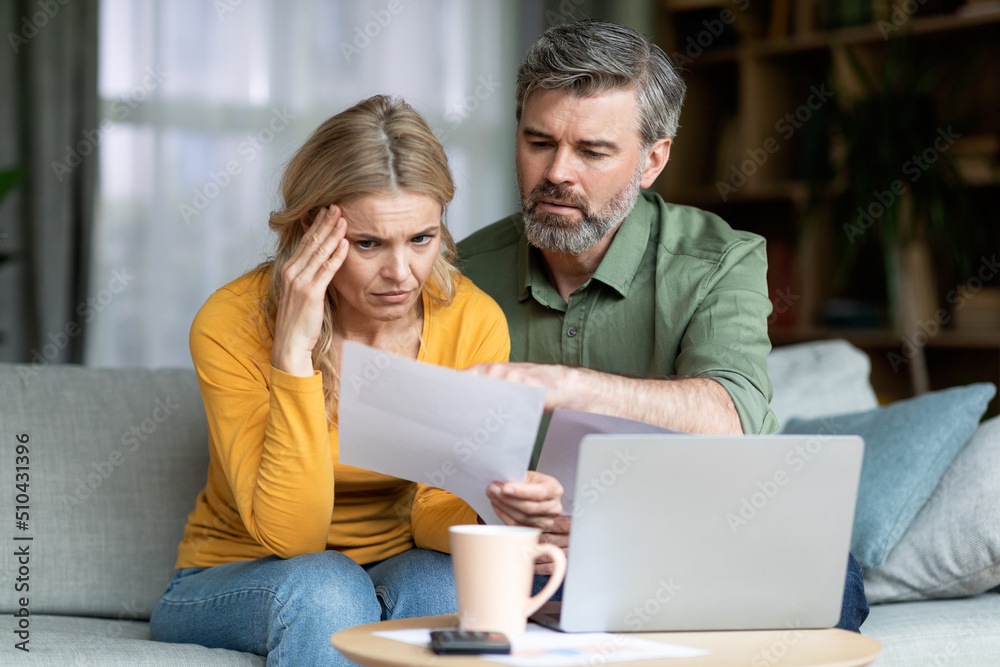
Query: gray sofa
x: 115, y: 458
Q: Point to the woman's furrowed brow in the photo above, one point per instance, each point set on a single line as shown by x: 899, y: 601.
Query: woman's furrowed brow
x: 373, y: 237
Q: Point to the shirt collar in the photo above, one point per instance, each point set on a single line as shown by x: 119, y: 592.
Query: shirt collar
x: 620, y: 264
x: 534, y: 282
x: 618, y: 267
x: 524, y: 263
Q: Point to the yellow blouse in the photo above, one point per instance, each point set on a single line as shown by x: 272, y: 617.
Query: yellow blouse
x: 274, y: 484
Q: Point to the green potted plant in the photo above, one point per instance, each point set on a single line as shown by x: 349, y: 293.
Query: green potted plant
x: 879, y: 167
x: 8, y: 179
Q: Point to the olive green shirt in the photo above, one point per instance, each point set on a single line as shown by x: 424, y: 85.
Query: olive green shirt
x: 679, y: 292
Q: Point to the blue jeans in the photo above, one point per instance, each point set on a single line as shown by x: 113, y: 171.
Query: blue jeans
x: 287, y: 609
x: 853, y: 611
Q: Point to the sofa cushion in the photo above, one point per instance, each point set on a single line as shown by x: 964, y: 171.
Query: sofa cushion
x: 122, y: 642
x: 957, y: 633
x: 821, y: 378
x: 952, y: 548
x: 116, y: 460
x: 908, y: 446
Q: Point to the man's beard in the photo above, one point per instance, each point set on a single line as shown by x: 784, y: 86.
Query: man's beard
x: 558, y: 233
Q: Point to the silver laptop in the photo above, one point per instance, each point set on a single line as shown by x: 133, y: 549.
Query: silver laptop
x: 683, y: 532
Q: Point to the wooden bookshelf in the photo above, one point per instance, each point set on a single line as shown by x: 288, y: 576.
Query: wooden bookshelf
x: 884, y: 339
x: 756, y: 76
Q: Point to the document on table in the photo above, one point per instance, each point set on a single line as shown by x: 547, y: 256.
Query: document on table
x: 435, y: 425
x: 541, y: 647
x: 561, y: 448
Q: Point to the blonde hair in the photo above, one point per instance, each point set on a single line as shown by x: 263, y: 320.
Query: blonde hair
x: 378, y: 146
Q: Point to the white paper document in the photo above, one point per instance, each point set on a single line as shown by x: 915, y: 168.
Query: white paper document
x: 561, y: 448
x: 435, y: 425
x: 541, y: 647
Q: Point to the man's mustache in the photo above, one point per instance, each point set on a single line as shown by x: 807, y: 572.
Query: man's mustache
x: 557, y: 192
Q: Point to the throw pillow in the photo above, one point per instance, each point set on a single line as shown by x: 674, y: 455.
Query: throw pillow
x: 826, y: 377
x: 908, y: 446
x: 952, y: 548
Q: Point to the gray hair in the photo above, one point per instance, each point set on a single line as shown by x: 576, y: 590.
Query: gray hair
x: 595, y: 57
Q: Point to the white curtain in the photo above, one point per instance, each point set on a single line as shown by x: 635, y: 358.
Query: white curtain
x: 204, y: 102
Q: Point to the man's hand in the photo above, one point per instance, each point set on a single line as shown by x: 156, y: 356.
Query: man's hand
x: 558, y: 381
x: 558, y: 535
x: 535, y: 502
x: 691, y: 405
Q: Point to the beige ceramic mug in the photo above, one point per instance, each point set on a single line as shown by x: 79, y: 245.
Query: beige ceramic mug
x: 493, y: 574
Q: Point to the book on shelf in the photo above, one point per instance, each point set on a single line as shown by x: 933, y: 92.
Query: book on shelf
x: 980, y: 311
x: 977, y: 158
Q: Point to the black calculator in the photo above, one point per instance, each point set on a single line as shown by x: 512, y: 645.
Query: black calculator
x: 468, y: 642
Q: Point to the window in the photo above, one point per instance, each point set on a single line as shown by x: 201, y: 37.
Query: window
x: 204, y: 102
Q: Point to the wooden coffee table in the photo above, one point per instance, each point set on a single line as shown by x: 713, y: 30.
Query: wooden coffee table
x: 751, y: 648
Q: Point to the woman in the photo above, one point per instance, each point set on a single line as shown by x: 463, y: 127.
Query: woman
x: 285, y: 546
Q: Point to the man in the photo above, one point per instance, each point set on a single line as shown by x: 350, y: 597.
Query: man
x: 618, y: 302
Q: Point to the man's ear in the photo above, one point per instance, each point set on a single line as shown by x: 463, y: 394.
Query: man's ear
x: 656, y: 160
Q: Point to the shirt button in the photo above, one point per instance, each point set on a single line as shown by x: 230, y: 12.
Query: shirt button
x: 571, y: 332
